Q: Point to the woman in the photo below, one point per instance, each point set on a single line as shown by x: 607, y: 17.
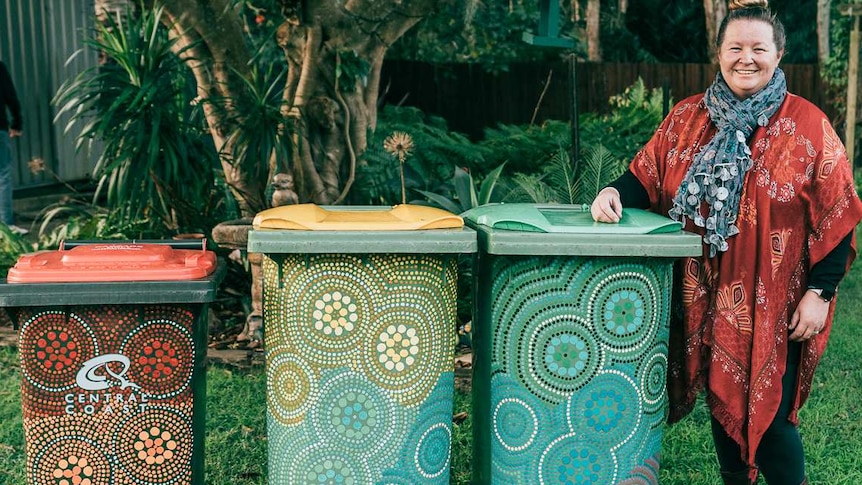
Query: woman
x: 761, y: 174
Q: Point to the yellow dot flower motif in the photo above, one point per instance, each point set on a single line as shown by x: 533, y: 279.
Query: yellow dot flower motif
x: 334, y: 314
x: 397, y: 347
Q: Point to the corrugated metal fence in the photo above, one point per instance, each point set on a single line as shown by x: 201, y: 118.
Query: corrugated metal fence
x: 36, y: 39
x: 470, y: 99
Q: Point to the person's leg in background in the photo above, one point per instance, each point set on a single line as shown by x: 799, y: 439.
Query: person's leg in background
x: 6, y: 215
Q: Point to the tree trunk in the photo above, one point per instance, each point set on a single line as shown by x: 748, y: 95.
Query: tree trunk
x: 334, y: 50
x: 823, y: 21
x: 594, y: 46
x: 715, y: 11
x: 216, y: 52
x: 331, y: 95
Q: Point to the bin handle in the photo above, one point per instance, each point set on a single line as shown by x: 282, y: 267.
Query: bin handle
x: 175, y: 244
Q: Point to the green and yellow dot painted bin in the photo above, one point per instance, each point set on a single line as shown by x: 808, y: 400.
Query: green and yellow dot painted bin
x: 359, y: 308
x: 570, y: 342
x: 112, y: 343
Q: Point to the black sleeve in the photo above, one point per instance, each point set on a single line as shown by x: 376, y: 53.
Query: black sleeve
x: 828, y: 272
x: 632, y: 193
x: 7, y: 90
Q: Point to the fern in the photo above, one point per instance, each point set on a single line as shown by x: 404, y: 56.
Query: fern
x: 561, y: 177
x: 529, y: 188
x: 596, y: 170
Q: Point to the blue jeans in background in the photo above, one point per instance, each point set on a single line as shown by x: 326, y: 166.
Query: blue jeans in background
x: 6, y: 215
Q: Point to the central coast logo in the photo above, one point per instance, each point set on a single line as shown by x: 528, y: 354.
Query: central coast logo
x: 108, y: 390
x: 89, y: 380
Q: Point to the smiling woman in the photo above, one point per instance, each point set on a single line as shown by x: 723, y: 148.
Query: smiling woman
x: 760, y: 173
x: 749, y: 52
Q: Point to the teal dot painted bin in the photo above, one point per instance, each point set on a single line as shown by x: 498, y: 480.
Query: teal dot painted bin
x: 360, y: 332
x: 570, y: 344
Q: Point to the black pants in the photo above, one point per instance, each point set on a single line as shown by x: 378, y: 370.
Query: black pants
x: 779, y: 457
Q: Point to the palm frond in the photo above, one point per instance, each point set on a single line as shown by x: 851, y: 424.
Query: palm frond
x: 598, y: 168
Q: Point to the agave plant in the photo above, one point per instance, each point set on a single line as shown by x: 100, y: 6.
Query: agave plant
x: 465, y: 196
x: 137, y: 108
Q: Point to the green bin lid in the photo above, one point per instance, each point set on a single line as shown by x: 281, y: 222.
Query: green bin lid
x: 570, y: 230
x: 312, y: 229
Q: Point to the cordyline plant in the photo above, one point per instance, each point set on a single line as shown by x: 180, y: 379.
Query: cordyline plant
x: 152, y: 164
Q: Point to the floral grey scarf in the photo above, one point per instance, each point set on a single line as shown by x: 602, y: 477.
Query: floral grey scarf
x: 718, y: 170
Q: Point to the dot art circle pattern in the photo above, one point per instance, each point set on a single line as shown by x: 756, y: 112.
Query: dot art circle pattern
x: 571, y: 461
x: 71, y: 460
x: 578, y: 366
x: 354, y: 414
x: 108, y: 394
x: 154, y: 447
x: 359, y: 357
x: 293, y: 386
x: 425, y: 453
x: 53, y: 348
x: 164, y: 352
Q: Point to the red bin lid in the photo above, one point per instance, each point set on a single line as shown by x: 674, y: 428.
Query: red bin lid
x: 113, y: 262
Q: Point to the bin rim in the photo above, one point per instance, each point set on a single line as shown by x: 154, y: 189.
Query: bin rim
x: 313, y: 217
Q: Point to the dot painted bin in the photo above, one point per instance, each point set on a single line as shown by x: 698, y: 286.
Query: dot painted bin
x: 112, y: 344
x: 359, y: 308
x: 570, y: 343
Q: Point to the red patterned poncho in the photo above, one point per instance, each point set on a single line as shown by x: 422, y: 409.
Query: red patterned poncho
x: 798, y: 202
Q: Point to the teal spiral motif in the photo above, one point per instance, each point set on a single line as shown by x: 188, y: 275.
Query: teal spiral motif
x: 570, y: 461
x: 516, y: 424
x: 652, y: 378
x: 624, y: 315
x: 578, y: 366
x: 607, y: 411
x: 353, y: 414
x: 425, y: 456
x: 555, y: 354
x: 319, y: 465
x: 521, y: 424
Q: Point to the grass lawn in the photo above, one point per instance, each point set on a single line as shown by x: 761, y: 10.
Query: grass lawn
x: 831, y: 422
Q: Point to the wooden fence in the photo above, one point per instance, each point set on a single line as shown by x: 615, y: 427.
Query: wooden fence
x: 470, y: 99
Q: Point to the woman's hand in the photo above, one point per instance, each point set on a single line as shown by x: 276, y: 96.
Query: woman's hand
x: 809, y: 318
x: 607, y: 206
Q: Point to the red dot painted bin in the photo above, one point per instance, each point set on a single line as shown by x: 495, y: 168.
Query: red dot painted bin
x: 112, y: 345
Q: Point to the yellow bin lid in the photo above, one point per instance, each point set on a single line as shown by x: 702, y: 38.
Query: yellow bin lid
x: 312, y: 217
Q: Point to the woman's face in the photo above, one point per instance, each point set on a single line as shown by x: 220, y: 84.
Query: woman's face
x: 748, y: 56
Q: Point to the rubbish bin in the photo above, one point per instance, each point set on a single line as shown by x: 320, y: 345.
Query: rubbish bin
x: 570, y: 343
x: 112, y: 344
x: 359, y: 309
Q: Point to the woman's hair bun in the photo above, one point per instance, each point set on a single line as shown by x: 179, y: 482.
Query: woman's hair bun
x: 738, y: 4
